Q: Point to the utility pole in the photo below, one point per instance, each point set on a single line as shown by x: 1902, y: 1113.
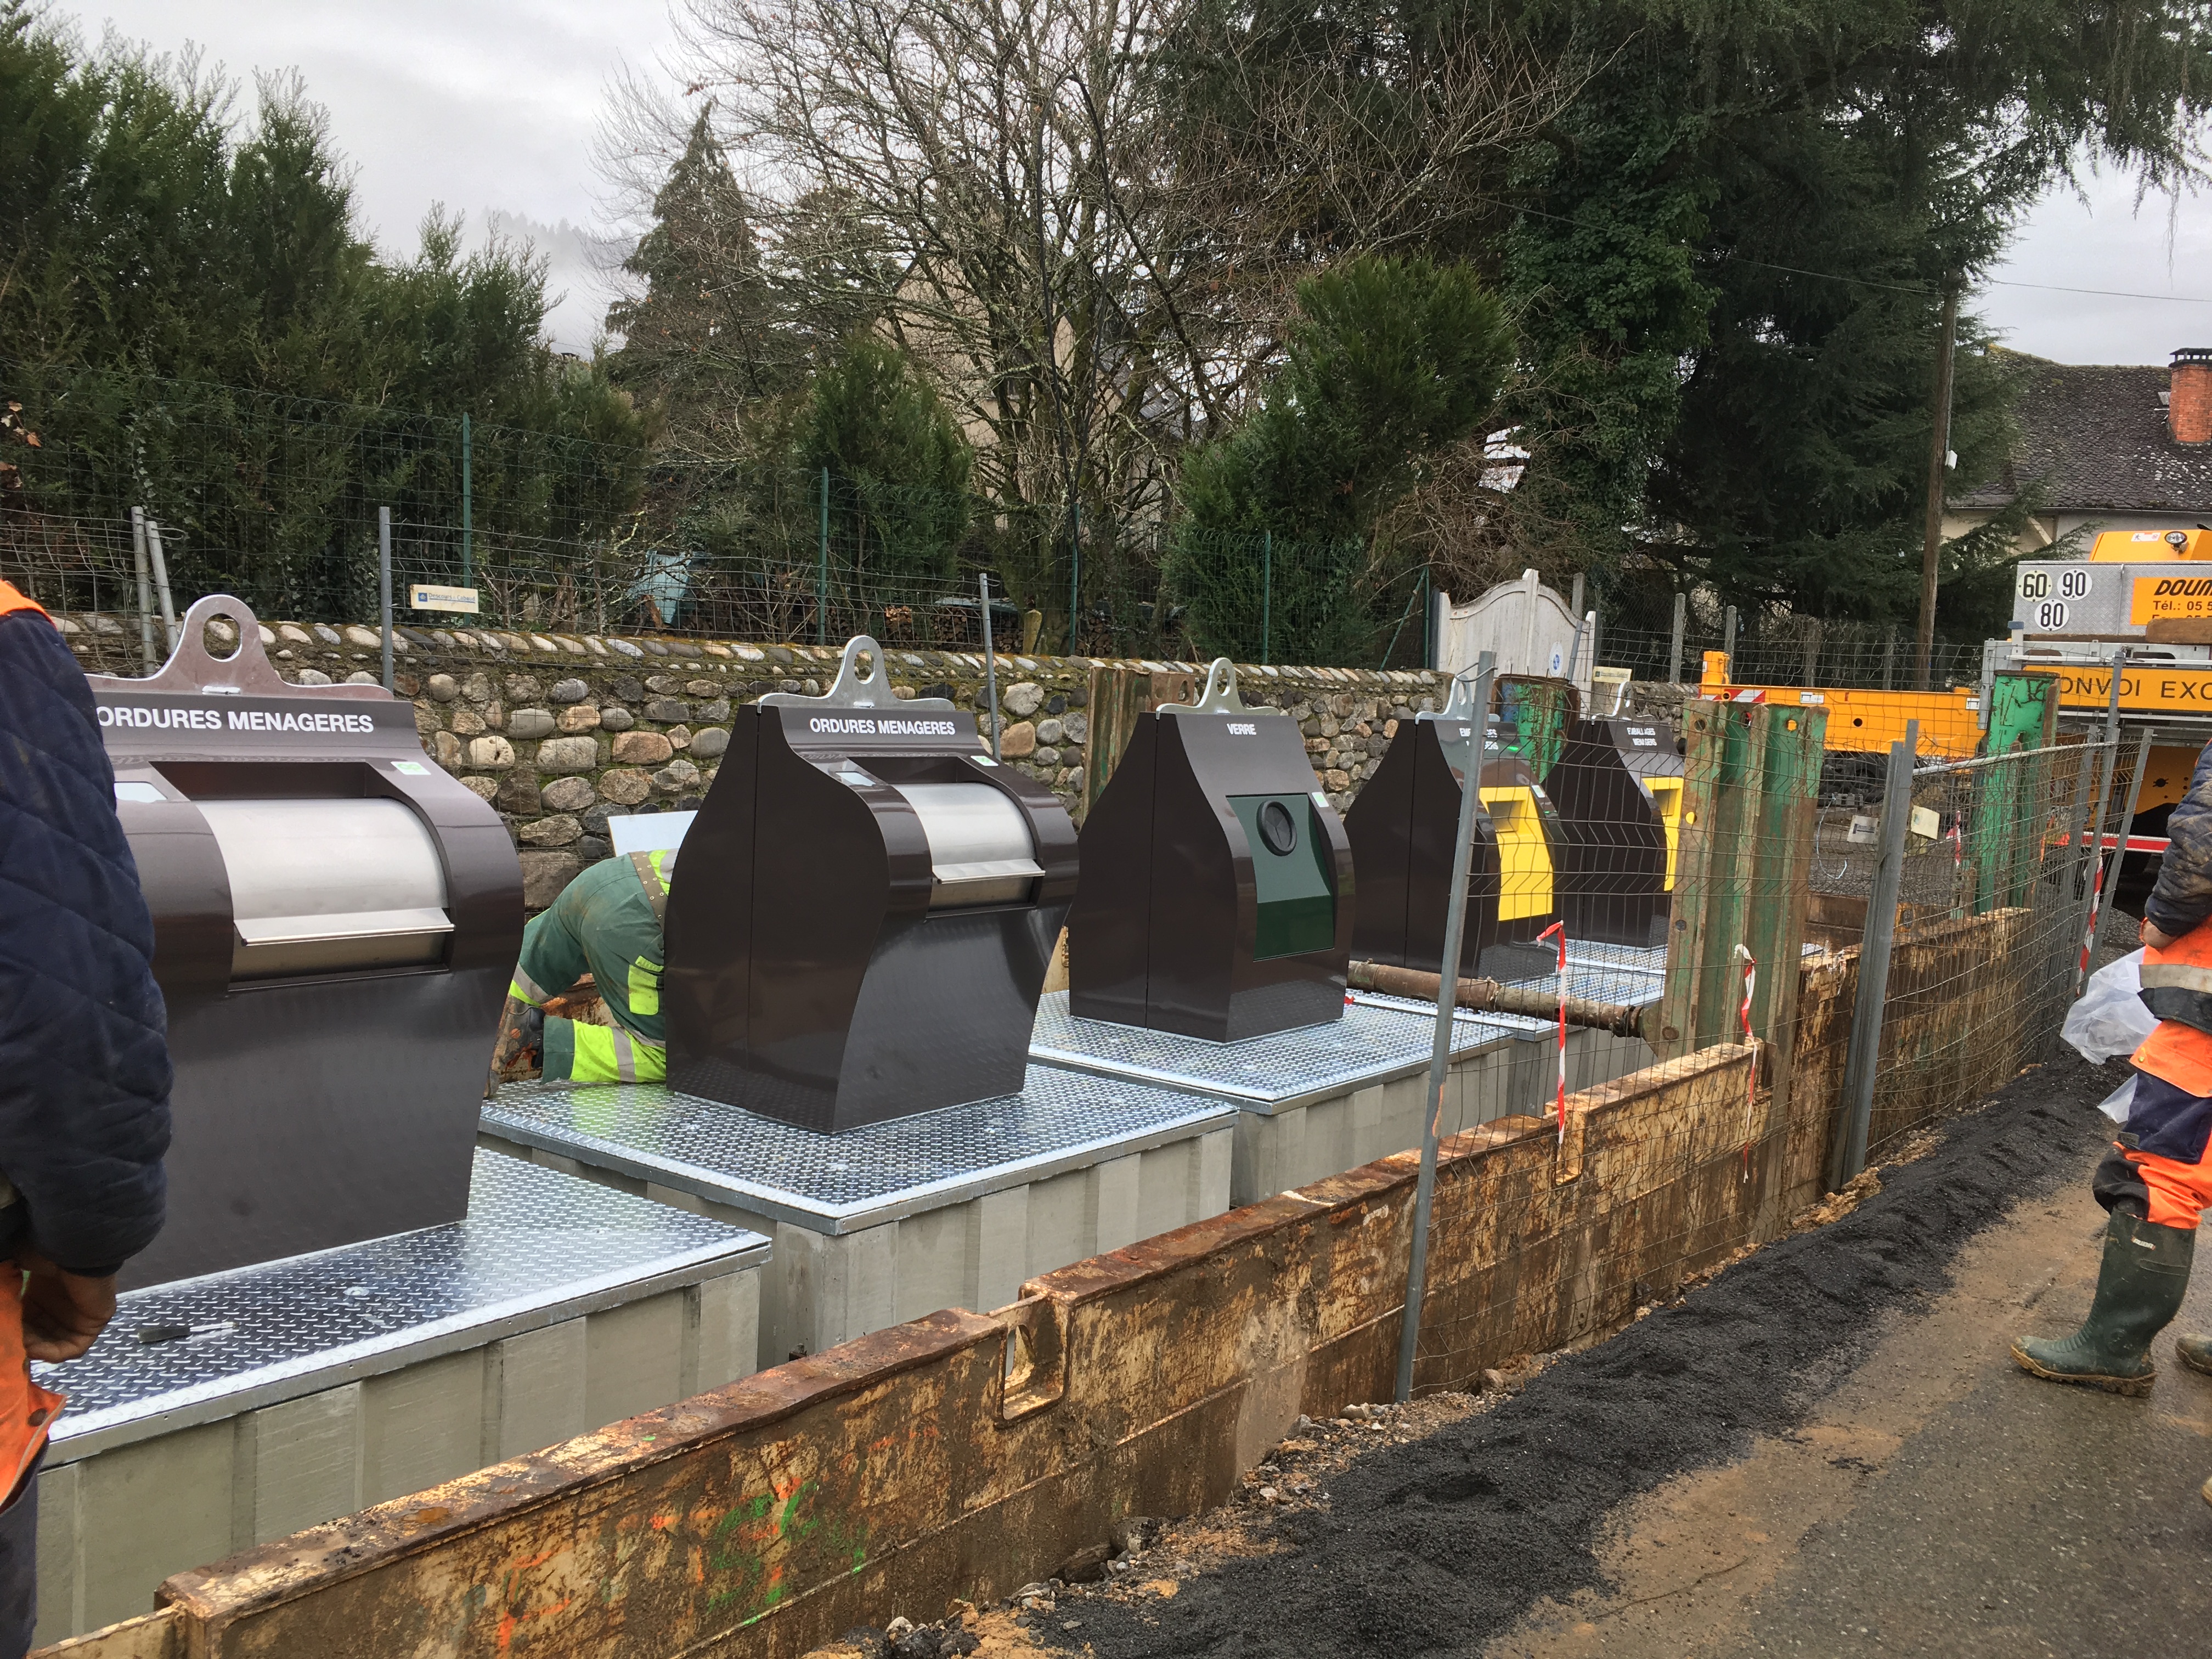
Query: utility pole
x: 1939, y: 454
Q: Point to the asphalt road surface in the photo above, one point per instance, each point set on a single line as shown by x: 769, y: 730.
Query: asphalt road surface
x: 1936, y: 1500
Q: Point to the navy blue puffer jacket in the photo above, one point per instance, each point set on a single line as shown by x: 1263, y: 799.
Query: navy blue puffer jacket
x: 84, y: 1058
x: 2183, y: 896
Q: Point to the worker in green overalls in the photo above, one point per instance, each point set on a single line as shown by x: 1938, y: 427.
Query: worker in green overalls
x: 608, y: 920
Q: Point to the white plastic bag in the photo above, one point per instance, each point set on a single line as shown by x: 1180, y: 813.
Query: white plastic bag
x: 2109, y: 1021
x: 2118, y: 1104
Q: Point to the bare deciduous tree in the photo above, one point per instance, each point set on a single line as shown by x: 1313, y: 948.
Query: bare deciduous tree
x: 1090, y: 214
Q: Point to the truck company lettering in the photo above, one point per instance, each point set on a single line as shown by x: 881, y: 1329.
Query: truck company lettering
x: 862, y: 726
x: 2175, y: 691
x: 2170, y: 598
x: 240, y: 720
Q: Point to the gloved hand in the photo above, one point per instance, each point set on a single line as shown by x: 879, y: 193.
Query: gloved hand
x: 519, y: 1054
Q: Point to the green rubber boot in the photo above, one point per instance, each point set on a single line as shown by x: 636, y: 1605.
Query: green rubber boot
x: 2194, y: 1352
x: 2144, y: 1275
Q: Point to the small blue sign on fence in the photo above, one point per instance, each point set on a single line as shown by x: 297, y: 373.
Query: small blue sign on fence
x: 429, y: 596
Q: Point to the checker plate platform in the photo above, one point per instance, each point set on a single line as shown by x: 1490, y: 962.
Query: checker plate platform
x: 839, y: 1183
x: 1378, y: 1040
x: 537, y: 1247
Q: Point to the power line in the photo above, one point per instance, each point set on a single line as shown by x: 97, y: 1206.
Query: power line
x: 2108, y: 293
x: 1897, y: 288
x: 1986, y: 282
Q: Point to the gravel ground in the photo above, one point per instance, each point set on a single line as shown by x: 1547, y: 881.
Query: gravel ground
x: 1429, y: 1532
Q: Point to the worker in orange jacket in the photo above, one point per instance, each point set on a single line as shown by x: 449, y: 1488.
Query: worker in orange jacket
x: 2156, y: 1181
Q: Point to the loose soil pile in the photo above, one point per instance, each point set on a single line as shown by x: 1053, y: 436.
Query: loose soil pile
x: 1432, y: 1542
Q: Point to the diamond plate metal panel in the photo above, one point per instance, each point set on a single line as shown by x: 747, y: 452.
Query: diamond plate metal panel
x: 839, y: 1183
x: 1378, y: 1040
x: 537, y: 1247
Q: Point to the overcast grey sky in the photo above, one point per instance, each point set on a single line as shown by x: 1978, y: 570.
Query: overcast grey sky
x: 490, y: 106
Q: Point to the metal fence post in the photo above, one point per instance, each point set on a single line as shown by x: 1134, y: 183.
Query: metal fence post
x: 1812, y: 655
x: 155, y: 558
x: 145, y: 588
x: 2108, y: 889
x: 1675, y: 642
x: 468, y: 549
x: 1862, y: 1060
x: 1074, y: 571
x: 1424, y: 1186
x: 1728, y: 642
x: 383, y: 583
x: 990, y: 661
x: 1889, y: 659
x: 1267, y: 591
x: 2093, y: 869
x: 822, y: 568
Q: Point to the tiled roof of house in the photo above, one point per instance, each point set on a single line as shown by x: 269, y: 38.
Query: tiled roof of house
x: 2096, y: 439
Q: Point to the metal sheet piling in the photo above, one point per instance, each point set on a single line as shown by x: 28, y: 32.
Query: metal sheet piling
x: 1409, y: 1333
x: 1864, y: 1060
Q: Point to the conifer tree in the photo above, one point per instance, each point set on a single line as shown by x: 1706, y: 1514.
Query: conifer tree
x: 702, y: 336
x: 1390, y: 361
x: 895, y: 463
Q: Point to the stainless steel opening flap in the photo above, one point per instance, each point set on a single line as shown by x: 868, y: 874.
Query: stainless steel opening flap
x: 980, y: 847
x: 320, y: 886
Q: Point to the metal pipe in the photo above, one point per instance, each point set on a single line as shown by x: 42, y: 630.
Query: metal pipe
x: 1674, y: 644
x: 383, y: 583
x: 1864, y: 1058
x: 1488, y: 996
x: 155, y: 557
x: 990, y: 661
x: 1977, y: 761
x: 2095, y: 827
x: 2108, y: 889
x: 1424, y: 1186
x: 145, y: 594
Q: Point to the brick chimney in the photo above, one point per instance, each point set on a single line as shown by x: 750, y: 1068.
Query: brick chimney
x: 2188, y: 404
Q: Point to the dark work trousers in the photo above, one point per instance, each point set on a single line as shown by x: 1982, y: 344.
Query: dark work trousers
x: 19, y: 1568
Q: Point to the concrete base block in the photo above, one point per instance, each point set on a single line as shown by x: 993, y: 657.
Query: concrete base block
x: 1293, y: 1145
x: 820, y: 1289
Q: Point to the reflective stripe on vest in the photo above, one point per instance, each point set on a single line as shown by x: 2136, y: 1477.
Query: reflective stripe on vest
x: 610, y: 1055
x: 652, y: 875
x: 2176, y: 986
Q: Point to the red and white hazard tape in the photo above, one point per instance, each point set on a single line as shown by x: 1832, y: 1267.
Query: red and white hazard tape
x: 1750, y: 1042
x: 1560, y: 928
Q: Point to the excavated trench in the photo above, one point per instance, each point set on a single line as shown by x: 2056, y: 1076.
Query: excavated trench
x: 1435, y: 1534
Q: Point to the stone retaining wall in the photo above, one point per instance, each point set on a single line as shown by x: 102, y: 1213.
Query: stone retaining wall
x: 562, y: 733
